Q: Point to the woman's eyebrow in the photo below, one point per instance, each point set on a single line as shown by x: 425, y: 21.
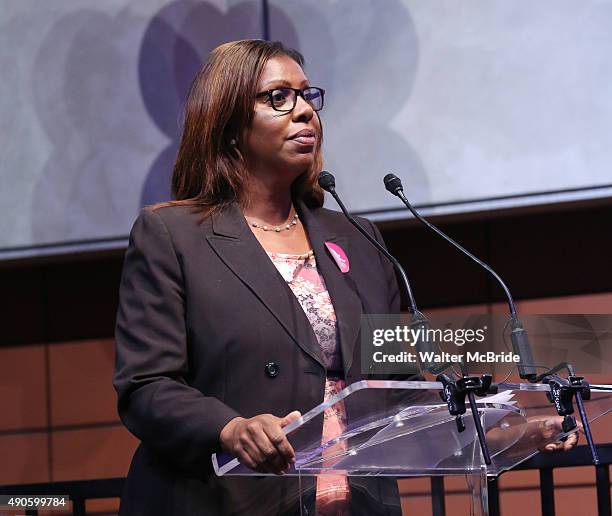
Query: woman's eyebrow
x: 282, y: 82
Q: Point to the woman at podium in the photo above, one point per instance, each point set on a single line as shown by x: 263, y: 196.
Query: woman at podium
x: 240, y: 302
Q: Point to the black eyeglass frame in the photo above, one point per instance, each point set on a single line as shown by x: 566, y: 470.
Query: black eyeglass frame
x: 298, y: 92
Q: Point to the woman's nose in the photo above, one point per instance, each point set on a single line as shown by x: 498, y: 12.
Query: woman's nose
x: 302, y: 110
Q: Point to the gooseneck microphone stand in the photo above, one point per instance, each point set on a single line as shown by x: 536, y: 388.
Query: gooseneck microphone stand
x: 520, y: 343
x: 328, y: 182
x: 562, y: 391
x: 454, y: 390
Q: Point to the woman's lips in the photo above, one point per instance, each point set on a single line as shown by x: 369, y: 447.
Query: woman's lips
x: 305, y: 140
x: 305, y: 137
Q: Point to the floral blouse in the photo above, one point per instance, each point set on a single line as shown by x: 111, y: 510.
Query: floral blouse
x: 301, y: 274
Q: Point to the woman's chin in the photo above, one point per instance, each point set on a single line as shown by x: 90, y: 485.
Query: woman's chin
x: 299, y: 165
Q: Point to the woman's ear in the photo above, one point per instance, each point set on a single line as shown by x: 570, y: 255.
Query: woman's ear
x: 234, y: 151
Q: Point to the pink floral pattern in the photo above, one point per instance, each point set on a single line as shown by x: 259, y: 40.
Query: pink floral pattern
x: 301, y: 274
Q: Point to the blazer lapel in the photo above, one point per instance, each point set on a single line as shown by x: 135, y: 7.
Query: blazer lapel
x: 341, y: 287
x: 237, y: 247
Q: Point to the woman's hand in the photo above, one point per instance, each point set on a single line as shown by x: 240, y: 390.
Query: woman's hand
x: 543, y: 428
x: 259, y: 442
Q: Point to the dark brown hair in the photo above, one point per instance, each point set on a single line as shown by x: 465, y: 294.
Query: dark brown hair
x: 209, y: 172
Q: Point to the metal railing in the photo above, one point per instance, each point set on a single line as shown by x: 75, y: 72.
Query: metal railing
x: 78, y: 490
x: 546, y: 463
x: 82, y: 490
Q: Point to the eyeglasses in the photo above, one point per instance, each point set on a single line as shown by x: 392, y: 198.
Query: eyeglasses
x: 285, y: 99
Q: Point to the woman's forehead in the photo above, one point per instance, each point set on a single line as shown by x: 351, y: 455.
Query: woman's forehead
x: 282, y: 71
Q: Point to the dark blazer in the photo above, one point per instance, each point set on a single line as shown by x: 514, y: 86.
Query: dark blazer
x: 202, y: 311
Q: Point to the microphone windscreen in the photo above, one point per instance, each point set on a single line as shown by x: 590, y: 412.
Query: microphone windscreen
x: 393, y: 183
x: 327, y: 181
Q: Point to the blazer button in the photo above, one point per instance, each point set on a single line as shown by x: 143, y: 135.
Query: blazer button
x: 272, y: 369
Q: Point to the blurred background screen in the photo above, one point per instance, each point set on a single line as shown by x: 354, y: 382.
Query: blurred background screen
x: 477, y: 106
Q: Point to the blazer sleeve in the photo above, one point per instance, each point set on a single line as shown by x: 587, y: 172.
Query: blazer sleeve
x: 155, y: 402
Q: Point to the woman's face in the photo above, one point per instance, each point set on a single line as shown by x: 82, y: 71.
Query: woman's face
x: 281, y: 145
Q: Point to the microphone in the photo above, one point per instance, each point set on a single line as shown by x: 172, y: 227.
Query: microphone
x: 560, y: 389
x: 328, y: 182
x: 455, y: 390
x: 423, y: 345
x: 518, y: 335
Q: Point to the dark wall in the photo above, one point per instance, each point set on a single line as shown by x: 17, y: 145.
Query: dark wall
x: 564, y: 251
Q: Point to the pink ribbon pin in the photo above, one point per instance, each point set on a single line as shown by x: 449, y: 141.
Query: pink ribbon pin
x: 338, y: 255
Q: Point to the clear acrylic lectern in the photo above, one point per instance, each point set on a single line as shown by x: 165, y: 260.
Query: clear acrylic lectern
x: 404, y: 428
